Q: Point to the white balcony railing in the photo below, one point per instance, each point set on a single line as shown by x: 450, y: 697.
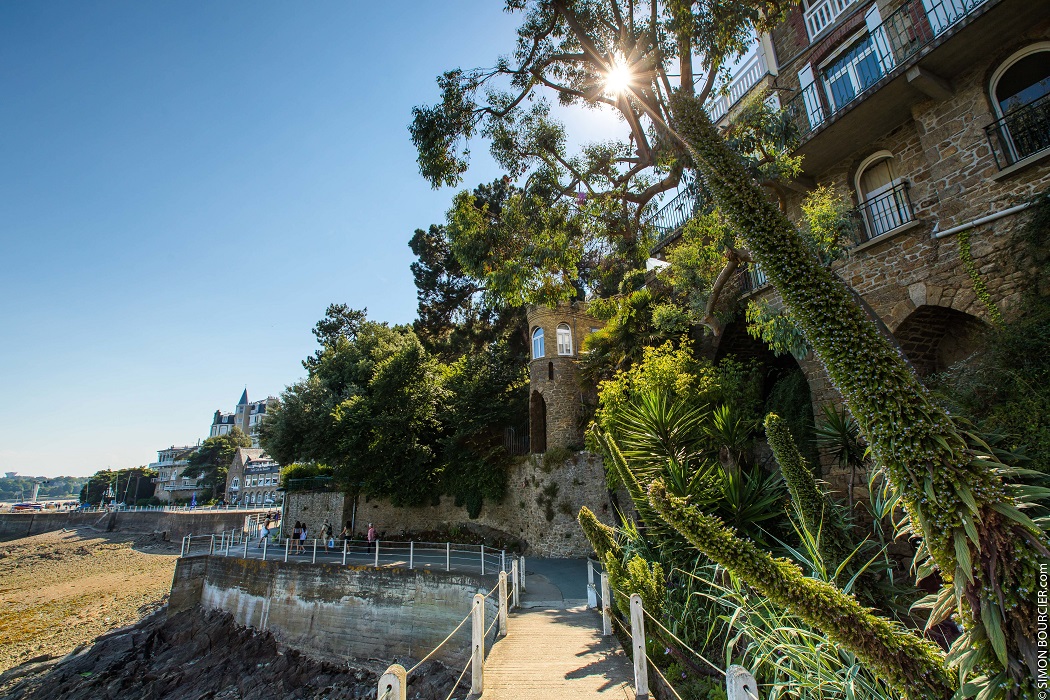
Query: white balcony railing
x: 823, y: 13
x: 747, y: 76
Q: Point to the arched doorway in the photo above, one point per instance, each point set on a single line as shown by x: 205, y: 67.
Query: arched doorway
x: 537, y: 423
x: 934, y: 338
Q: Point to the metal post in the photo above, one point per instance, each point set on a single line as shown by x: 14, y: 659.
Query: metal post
x: 641, y: 668
x: 245, y: 547
x: 211, y: 547
x: 740, y: 684
x: 393, y: 684
x: 482, y: 560
x: 189, y: 544
x: 287, y: 547
x: 514, y: 582
x: 182, y: 551
x: 503, y: 560
x: 503, y: 603
x: 448, y: 556
x: 411, y: 553
x: 592, y: 601
x: 344, y: 552
x: 606, y: 606
x: 265, y: 542
x: 377, y: 552
x: 477, y: 645
x: 521, y: 573
x: 313, y: 560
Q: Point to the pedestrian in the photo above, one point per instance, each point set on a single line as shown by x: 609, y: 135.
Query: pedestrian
x: 346, y: 535
x: 302, y: 539
x: 326, y: 535
x: 371, y: 536
x: 296, y: 531
x: 264, y: 532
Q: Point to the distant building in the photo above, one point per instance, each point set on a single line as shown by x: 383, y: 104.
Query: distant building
x: 253, y: 478
x: 245, y: 416
x: 171, y: 485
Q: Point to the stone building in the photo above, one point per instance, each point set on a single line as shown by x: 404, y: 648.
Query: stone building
x: 246, y: 415
x: 933, y: 117
x: 253, y: 478
x: 171, y: 485
x: 556, y: 398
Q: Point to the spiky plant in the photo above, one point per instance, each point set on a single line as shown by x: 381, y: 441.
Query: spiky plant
x: 911, y: 664
x: 971, y: 523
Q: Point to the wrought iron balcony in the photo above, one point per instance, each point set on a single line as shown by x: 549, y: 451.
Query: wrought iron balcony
x: 900, y: 37
x: 671, y: 217
x: 753, y: 278
x: 884, y: 213
x: 1023, y: 132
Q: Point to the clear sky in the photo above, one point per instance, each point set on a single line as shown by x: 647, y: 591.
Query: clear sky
x: 186, y: 186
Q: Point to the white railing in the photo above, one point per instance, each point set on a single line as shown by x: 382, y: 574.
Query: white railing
x: 823, y: 14
x: 748, y: 75
x: 169, y: 509
x: 740, y: 684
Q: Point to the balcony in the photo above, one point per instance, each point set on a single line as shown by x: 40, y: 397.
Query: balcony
x: 671, y: 217
x: 1021, y: 134
x: 752, y: 278
x: 748, y: 76
x: 913, y: 54
x: 822, y: 15
x: 884, y: 212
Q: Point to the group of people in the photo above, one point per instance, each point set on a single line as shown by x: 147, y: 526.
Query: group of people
x: 300, y: 533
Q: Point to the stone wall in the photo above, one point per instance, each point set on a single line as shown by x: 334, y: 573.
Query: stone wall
x: 337, y: 612
x: 535, y: 491
x: 175, y: 524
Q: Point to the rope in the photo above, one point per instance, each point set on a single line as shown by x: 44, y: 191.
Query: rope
x: 494, y: 589
x: 663, y: 678
x: 456, y: 684
x: 683, y: 644
x: 434, y: 650
x: 494, y: 621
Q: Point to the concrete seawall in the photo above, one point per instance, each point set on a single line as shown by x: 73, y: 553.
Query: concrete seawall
x: 336, y: 612
x: 176, y: 524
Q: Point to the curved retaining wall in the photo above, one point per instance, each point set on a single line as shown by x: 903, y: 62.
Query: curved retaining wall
x: 338, y: 612
x: 176, y: 524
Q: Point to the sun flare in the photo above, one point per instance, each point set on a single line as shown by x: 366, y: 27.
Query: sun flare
x: 618, y: 79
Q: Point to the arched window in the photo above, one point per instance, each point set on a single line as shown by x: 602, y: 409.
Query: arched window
x: 236, y: 483
x: 564, y: 339
x: 537, y: 344
x: 881, y: 195
x: 1020, y: 92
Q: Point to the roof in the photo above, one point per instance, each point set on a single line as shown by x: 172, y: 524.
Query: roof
x: 244, y: 398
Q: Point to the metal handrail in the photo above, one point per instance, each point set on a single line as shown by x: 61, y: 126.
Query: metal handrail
x: 901, y: 36
x: 884, y: 213
x: 1022, y: 132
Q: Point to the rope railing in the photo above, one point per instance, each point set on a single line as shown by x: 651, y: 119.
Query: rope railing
x: 740, y: 683
x: 458, y: 680
x: 442, y: 643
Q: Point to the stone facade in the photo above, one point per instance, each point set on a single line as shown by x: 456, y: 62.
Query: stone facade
x: 556, y: 396
x: 925, y: 120
x: 538, y: 511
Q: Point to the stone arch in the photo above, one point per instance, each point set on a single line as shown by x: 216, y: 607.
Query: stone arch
x: 934, y: 338
x: 537, y: 423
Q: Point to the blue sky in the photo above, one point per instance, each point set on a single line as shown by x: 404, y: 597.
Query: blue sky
x: 185, y: 187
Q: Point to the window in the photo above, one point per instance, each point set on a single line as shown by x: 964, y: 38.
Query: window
x: 564, y: 339
x: 882, y: 196
x: 537, y: 344
x: 852, y: 72
x: 236, y: 483
x: 1020, y: 92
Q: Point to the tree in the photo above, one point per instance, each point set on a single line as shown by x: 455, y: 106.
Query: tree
x: 456, y: 315
x: 211, y: 462
x: 576, y: 222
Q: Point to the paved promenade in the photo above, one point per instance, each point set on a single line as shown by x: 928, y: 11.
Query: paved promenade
x: 555, y: 648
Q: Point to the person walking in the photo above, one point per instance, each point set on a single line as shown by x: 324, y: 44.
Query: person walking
x: 264, y: 532
x: 326, y: 535
x: 297, y: 530
x: 346, y: 535
x: 371, y: 536
x: 302, y: 539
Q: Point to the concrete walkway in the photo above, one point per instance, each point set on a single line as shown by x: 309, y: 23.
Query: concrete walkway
x: 554, y: 647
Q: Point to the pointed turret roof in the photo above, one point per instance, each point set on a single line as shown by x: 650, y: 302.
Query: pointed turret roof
x: 244, y: 398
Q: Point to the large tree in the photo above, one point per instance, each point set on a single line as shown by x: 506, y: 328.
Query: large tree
x: 576, y: 221
x: 211, y: 462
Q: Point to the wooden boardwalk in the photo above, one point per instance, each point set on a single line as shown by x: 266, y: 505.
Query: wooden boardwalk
x: 555, y: 650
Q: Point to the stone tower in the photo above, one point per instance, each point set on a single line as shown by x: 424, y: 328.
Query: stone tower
x: 555, y: 395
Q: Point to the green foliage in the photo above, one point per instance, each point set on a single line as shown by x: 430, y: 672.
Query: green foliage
x: 17, y: 488
x: 304, y: 470
x: 828, y: 225
x: 126, y: 485
x: 957, y: 502
x: 211, y: 462
x: 790, y: 399
x: 913, y: 665
x: 775, y: 328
